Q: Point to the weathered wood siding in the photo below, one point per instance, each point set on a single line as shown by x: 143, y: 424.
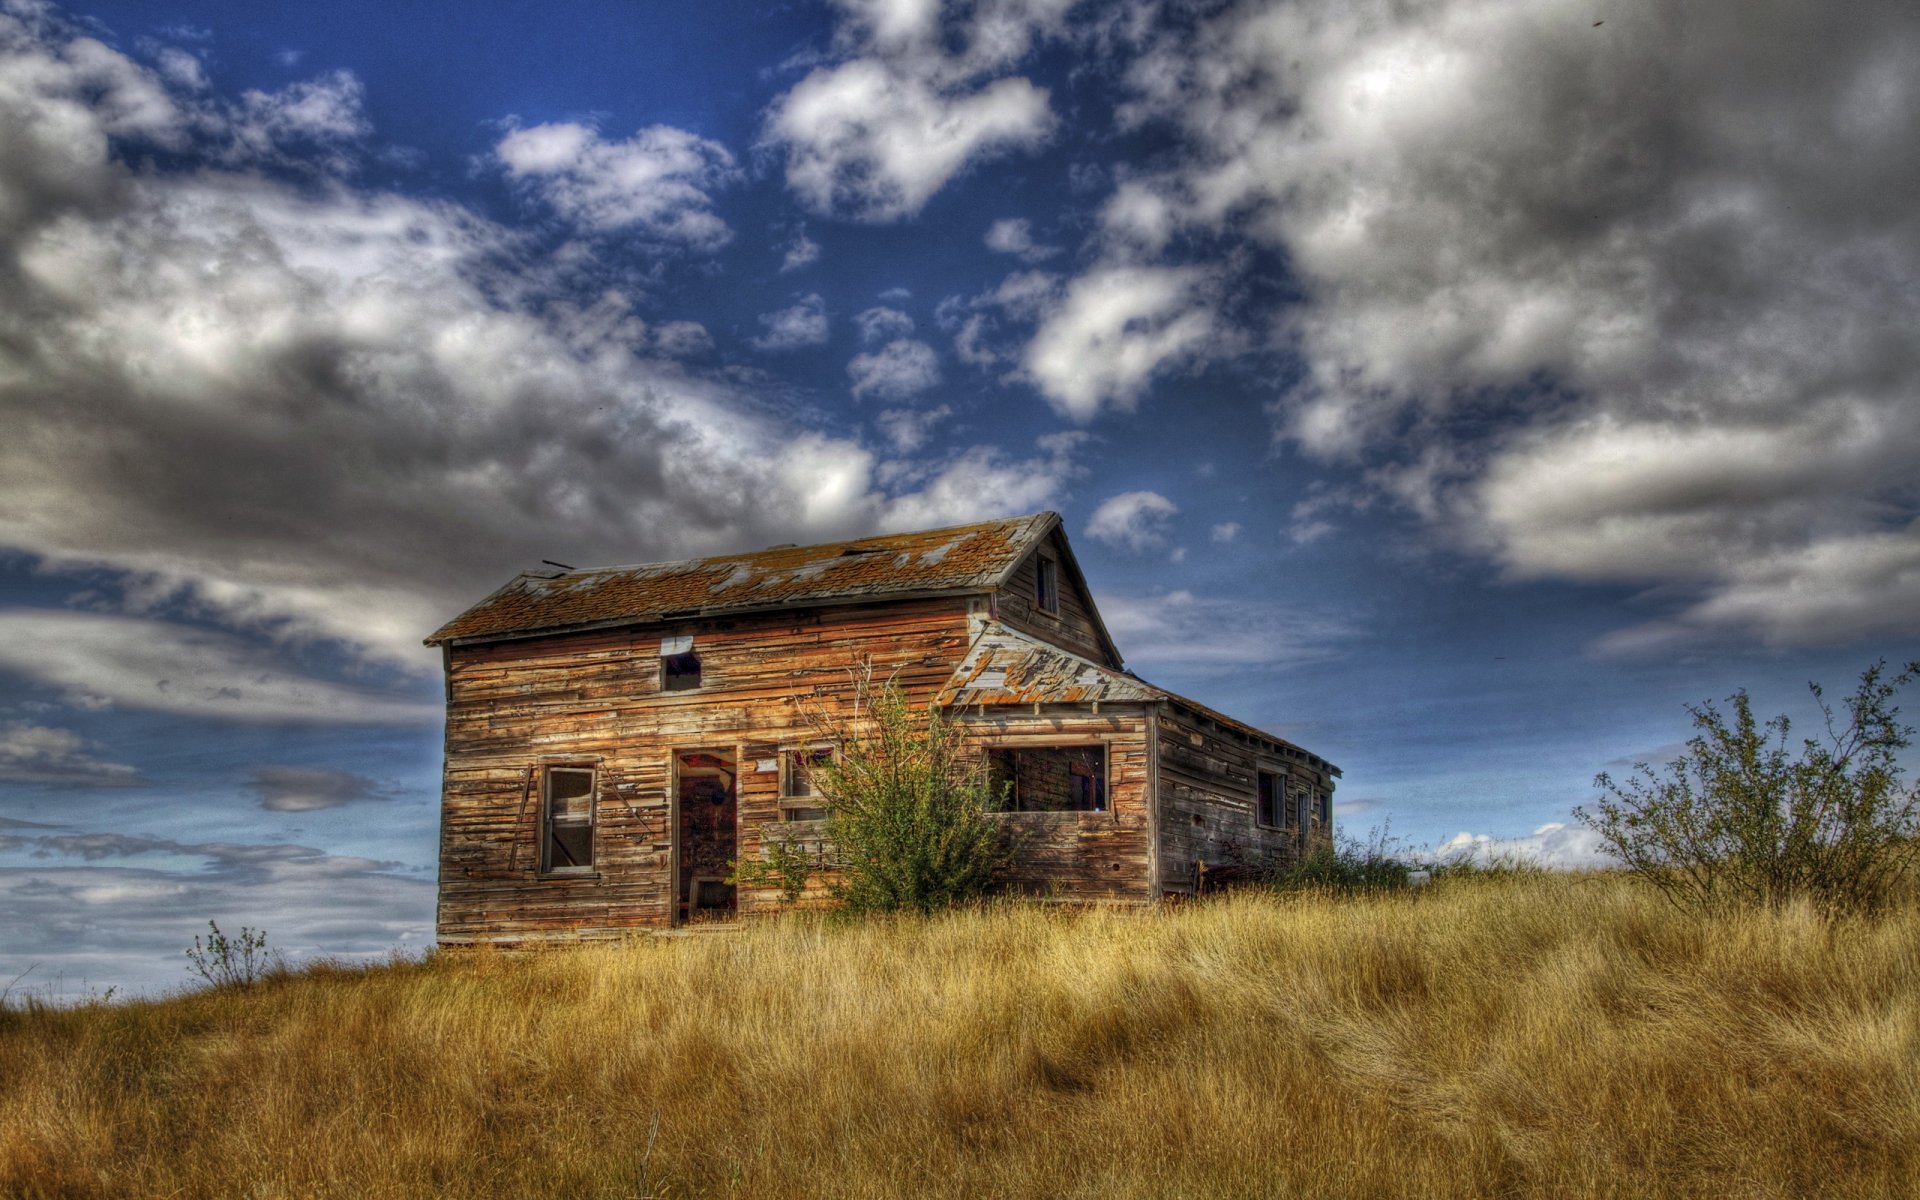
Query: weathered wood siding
x: 1207, y: 784
x: 595, y: 698
x: 1073, y: 628
x: 1082, y: 855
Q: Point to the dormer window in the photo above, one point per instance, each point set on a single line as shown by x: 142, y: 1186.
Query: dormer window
x: 1046, y: 585
x: 679, y: 665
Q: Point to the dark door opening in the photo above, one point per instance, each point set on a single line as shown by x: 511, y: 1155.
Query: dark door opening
x: 709, y: 838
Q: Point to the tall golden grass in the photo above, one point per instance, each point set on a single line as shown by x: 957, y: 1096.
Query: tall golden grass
x: 1559, y: 1036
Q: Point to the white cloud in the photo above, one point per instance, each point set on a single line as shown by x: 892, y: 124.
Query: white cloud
x: 656, y: 182
x: 682, y: 339
x: 1226, y: 531
x: 1136, y: 521
x: 897, y: 370
x: 910, y: 429
x: 882, y: 324
x: 799, y: 251
x: 1116, y: 329
x: 1014, y: 235
x: 40, y: 754
x: 916, y: 99
x: 803, y: 324
x: 1634, y: 294
x: 162, y: 667
x: 1554, y: 845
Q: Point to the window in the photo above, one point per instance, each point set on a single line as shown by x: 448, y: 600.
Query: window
x: 1049, y: 778
x: 1046, y: 585
x: 1323, y: 807
x: 566, y: 820
x: 1270, y: 806
x: 799, y: 799
x: 679, y: 665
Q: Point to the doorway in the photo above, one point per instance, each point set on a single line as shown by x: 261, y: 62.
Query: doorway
x: 708, y: 838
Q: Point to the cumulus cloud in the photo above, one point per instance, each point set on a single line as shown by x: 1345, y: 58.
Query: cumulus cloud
x: 909, y: 429
x: 1555, y: 845
x: 916, y: 96
x: 881, y: 324
x: 305, y: 789
x: 1634, y: 289
x: 40, y: 754
x: 799, y: 251
x: 1226, y: 531
x: 1115, y: 330
x: 900, y: 369
x: 1216, y: 635
x: 207, y: 330
x: 1135, y: 521
x: 1014, y: 236
x: 802, y: 324
x: 656, y: 182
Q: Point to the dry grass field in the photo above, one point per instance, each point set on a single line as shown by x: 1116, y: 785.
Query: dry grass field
x: 1552, y: 1037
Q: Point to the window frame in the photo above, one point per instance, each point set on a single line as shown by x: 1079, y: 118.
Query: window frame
x: 790, y: 800
x: 667, y: 675
x: 1046, y: 584
x: 1275, y: 803
x: 1104, y: 745
x: 592, y: 822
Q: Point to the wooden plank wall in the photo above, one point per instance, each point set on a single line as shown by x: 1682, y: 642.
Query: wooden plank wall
x: 1208, y: 797
x: 1073, y: 629
x: 595, y: 698
x: 1082, y: 855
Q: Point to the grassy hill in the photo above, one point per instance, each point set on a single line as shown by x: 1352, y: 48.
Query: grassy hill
x: 1560, y: 1037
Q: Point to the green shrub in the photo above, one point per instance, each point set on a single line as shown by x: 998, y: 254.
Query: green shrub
x: 1737, y: 819
x: 909, y: 811
x: 234, y: 962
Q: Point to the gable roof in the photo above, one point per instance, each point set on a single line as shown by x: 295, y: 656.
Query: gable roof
x: 959, y: 560
x: 1005, y: 666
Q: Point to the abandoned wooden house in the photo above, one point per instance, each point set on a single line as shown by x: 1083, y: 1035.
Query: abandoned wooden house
x: 618, y: 737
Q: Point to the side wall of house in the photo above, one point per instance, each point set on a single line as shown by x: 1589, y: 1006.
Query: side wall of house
x: 1081, y: 855
x: 595, y: 699
x: 1208, y: 784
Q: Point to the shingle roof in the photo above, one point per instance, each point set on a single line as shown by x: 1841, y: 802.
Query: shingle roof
x: 965, y: 558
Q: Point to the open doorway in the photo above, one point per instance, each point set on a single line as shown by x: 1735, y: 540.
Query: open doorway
x: 708, y: 835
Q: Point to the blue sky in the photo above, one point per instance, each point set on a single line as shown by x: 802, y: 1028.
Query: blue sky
x: 1458, y: 390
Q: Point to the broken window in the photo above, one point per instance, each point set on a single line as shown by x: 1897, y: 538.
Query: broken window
x: 1049, y: 778
x: 566, y: 819
x: 1323, y: 807
x: 679, y: 665
x: 800, y: 799
x: 1270, y: 808
x: 1046, y: 585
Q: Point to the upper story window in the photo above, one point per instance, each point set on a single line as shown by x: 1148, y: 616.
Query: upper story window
x: 679, y: 665
x: 1046, y: 585
x: 566, y: 820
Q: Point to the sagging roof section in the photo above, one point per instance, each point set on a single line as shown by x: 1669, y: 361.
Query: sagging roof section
x: 1004, y: 666
x: 965, y: 558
